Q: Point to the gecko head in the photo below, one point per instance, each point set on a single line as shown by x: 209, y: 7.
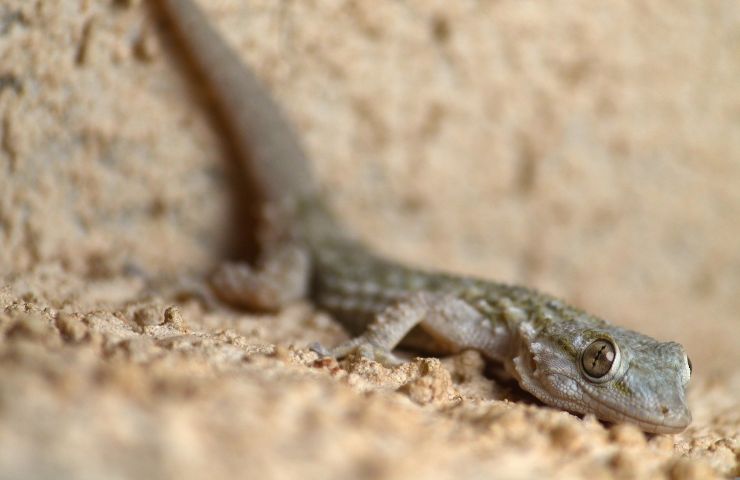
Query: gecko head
x: 582, y: 364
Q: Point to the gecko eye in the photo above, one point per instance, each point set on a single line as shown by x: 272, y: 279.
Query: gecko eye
x: 599, y: 358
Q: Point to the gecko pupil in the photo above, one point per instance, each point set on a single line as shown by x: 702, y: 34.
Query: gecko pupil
x: 598, y: 358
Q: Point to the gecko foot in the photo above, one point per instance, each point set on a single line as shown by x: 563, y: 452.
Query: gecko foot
x: 280, y: 278
x: 358, y: 346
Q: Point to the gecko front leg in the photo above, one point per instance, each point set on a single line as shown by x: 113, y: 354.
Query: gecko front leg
x: 452, y: 322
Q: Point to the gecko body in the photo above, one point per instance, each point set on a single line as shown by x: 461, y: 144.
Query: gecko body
x: 565, y: 357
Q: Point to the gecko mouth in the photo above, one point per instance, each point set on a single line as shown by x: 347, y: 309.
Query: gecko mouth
x: 667, y: 424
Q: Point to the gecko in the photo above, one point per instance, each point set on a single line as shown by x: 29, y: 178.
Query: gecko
x: 565, y: 357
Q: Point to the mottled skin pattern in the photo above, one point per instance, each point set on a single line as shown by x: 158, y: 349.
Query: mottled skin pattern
x: 565, y: 357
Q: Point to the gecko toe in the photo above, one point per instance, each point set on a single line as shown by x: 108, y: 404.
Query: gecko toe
x: 365, y: 349
x: 320, y: 350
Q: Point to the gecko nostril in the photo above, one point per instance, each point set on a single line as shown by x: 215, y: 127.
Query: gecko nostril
x: 663, y: 409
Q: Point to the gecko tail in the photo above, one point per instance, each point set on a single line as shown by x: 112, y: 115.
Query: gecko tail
x: 269, y: 149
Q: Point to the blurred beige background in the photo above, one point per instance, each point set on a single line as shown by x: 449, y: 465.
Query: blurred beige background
x: 591, y: 150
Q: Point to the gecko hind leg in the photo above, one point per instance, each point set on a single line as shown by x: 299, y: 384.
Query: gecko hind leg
x: 279, y: 278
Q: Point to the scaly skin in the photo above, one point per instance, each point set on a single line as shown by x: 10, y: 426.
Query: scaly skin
x: 565, y: 357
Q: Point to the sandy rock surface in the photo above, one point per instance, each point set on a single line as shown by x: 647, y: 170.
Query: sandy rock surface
x: 589, y: 150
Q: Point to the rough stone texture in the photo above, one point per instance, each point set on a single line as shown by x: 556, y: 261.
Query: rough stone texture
x: 590, y: 149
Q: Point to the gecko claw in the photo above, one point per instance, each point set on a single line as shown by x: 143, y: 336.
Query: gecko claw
x: 320, y: 350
